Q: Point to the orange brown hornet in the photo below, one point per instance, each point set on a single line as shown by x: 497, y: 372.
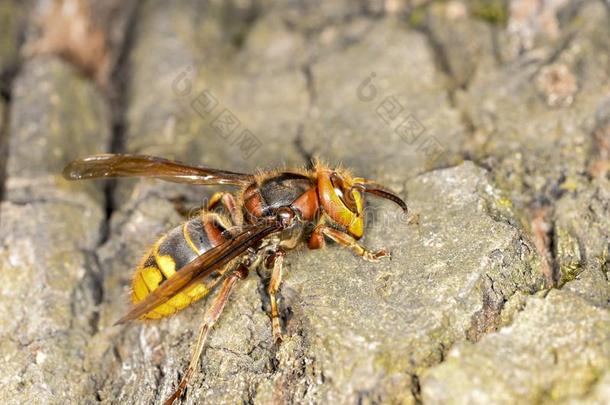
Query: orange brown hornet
x: 273, y: 212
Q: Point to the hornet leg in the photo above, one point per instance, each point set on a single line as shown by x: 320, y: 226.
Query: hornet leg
x: 277, y: 259
x: 210, y: 318
x: 317, y: 241
x: 228, y: 202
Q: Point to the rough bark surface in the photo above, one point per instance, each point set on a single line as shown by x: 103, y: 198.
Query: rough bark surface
x: 492, y: 119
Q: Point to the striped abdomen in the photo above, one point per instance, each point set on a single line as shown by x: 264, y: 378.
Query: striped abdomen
x: 170, y: 253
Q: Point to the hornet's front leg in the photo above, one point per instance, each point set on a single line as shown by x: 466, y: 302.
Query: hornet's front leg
x: 316, y: 241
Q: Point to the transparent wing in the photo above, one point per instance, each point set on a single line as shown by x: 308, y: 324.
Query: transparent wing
x: 116, y: 165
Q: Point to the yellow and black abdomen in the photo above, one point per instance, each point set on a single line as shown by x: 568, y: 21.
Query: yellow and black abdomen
x: 170, y: 253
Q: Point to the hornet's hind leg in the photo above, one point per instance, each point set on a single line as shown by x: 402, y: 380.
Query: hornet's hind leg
x: 228, y: 202
x: 277, y: 261
x: 211, y: 316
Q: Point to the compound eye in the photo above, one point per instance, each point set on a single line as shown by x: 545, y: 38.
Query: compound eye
x: 344, y: 192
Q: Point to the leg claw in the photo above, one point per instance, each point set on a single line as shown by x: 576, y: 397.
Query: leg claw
x: 376, y: 256
x: 276, y: 331
x: 278, y: 338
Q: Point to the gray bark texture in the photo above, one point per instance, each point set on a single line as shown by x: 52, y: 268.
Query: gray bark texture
x: 491, y: 118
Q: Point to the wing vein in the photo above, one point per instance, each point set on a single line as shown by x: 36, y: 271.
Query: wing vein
x: 127, y: 165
